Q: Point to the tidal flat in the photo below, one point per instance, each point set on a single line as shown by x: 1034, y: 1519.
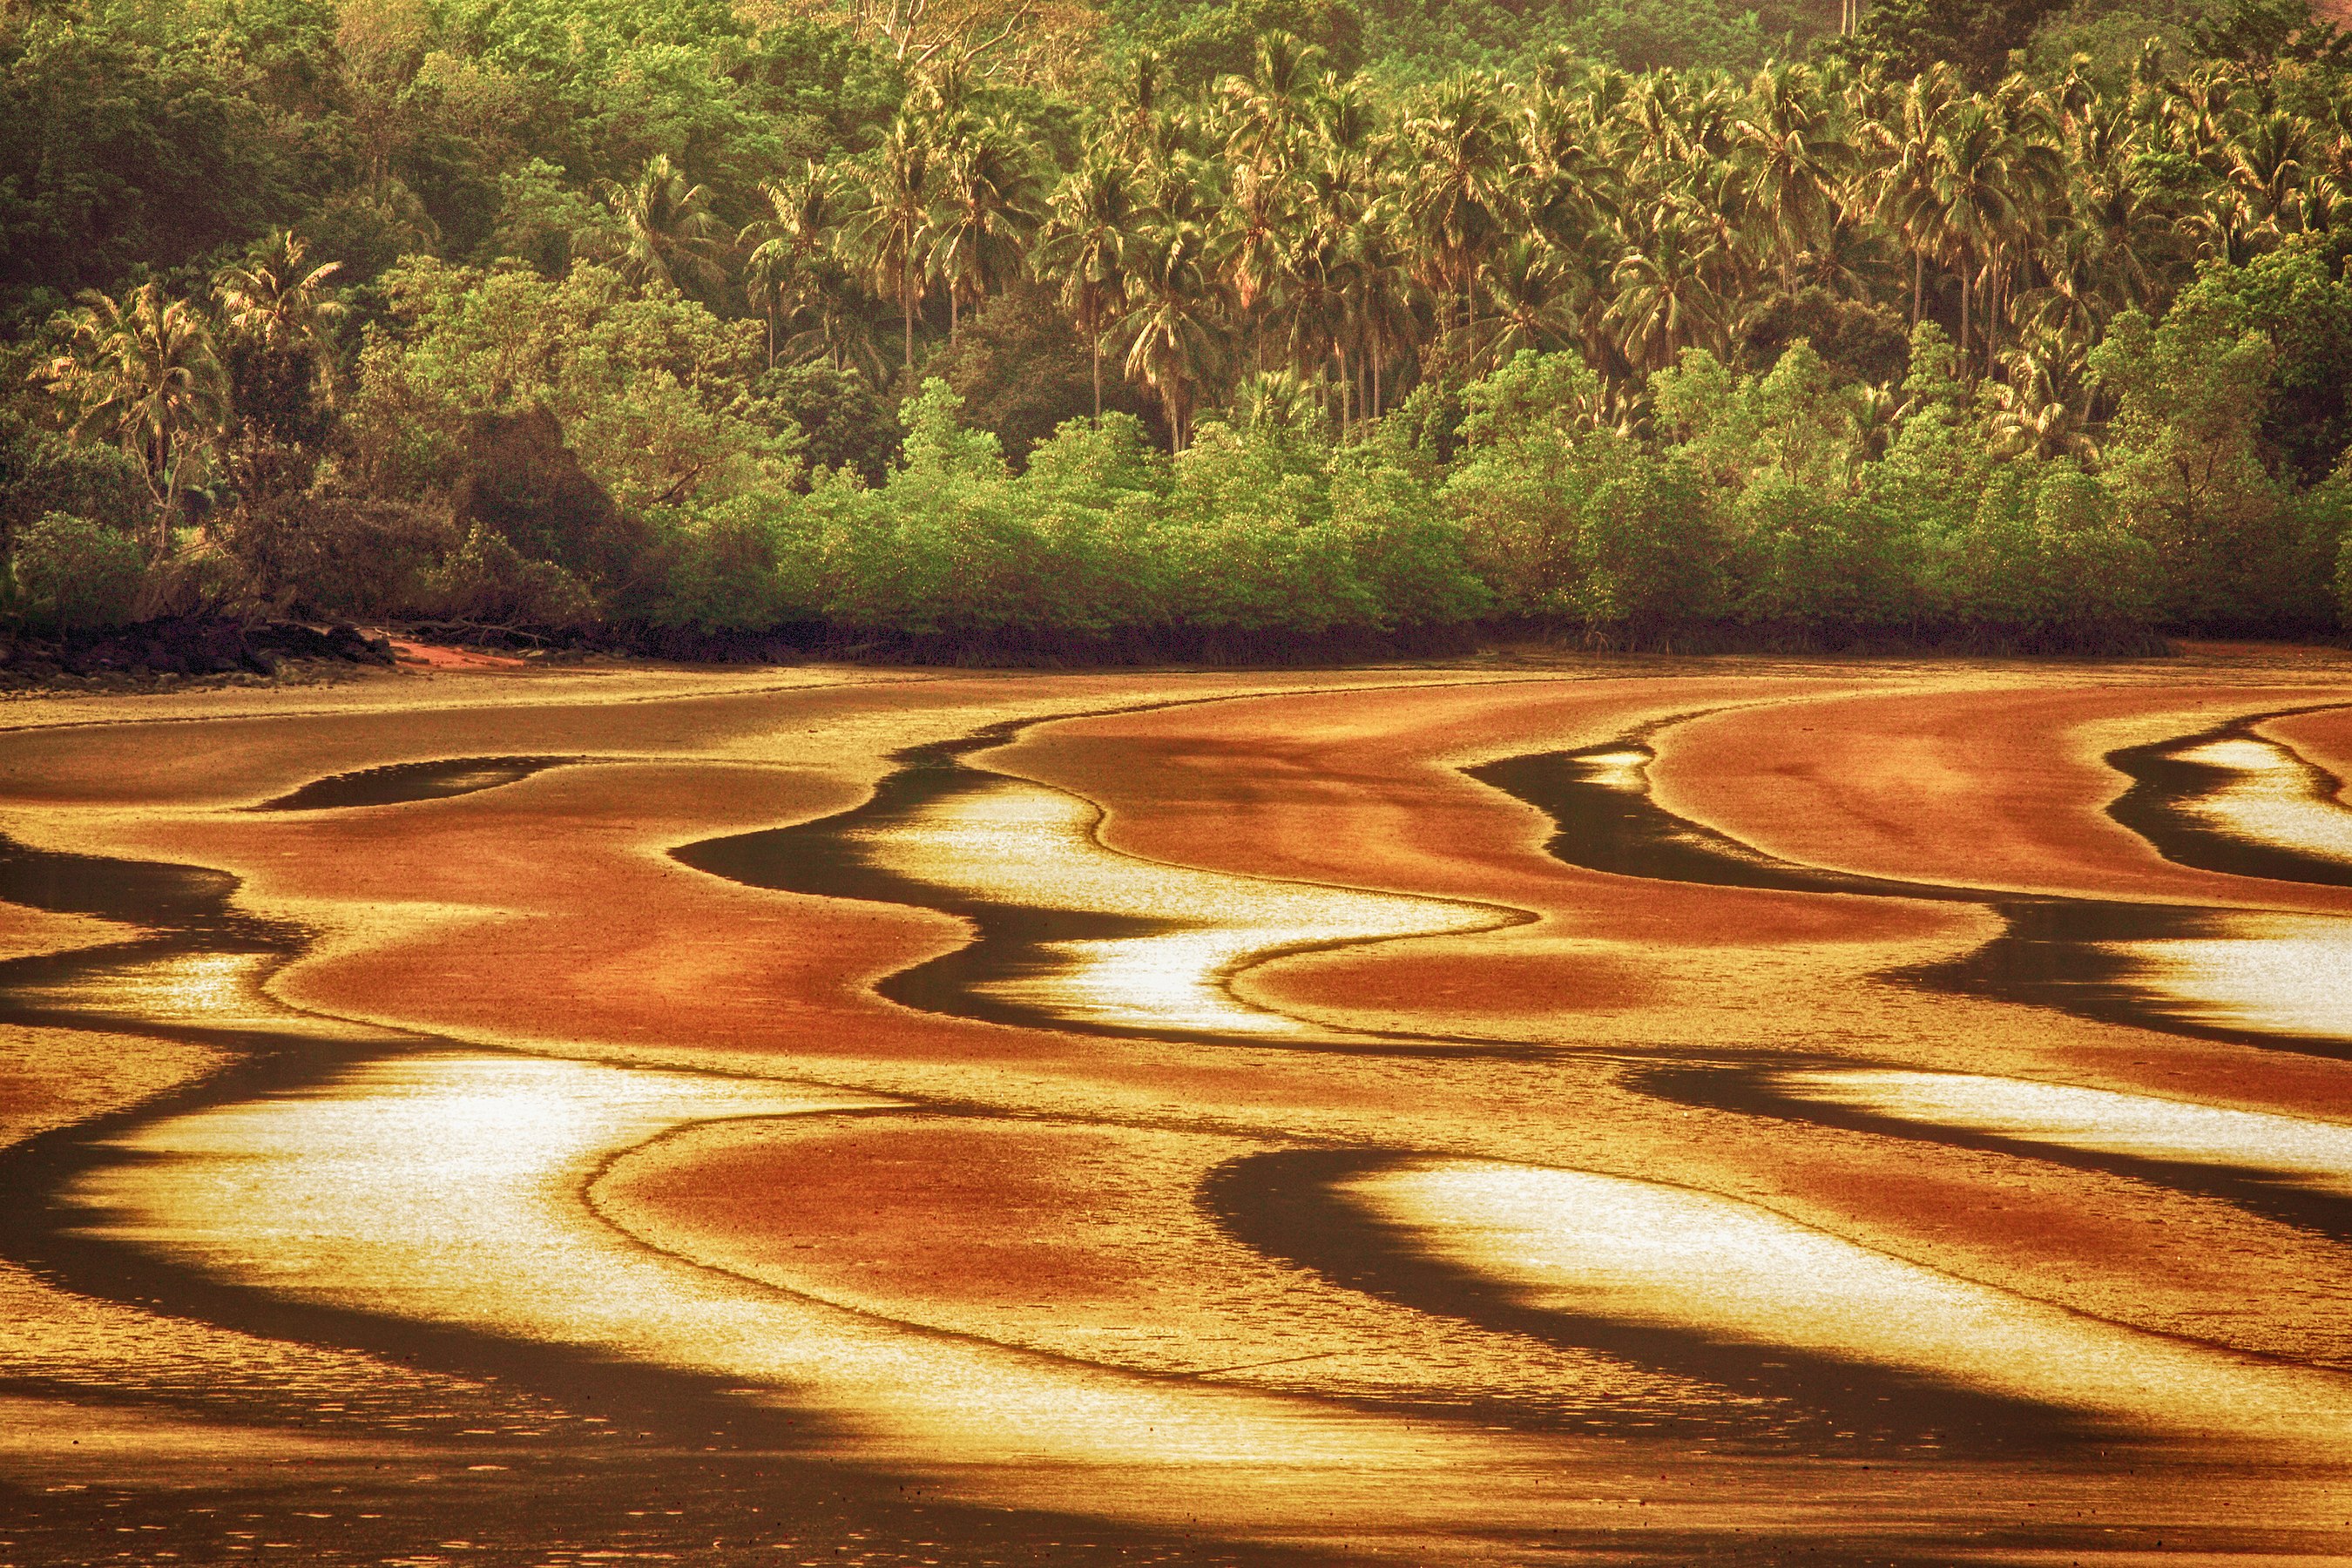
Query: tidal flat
x: 1535, y: 1108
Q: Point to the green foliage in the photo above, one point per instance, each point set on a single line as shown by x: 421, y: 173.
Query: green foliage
x: 118, y: 152
x: 1794, y: 422
x: 331, y: 555
x: 650, y: 388
x: 1523, y: 484
x: 1650, y: 555
x: 1692, y: 35
x: 843, y: 424
x: 72, y: 574
x: 485, y: 579
x: 1853, y: 349
x: 1975, y: 38
x: 1022, y: 371
x: 1196, y: 44
x: 724, y: 575
x: 2186, y: 464
x: 42, y: 472
x: 2297, y: 299
x: 2046, y: 556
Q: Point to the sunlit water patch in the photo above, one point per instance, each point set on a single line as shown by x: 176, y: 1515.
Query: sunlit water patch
x: 446, y: 1188
x: 2310, y: 1153
x: 2230, y: 973
x: 1070, y: 933
x: 1089, y: 1243
x: 399, y: 782
x: 2233, y: 800
x: 1596, y: 1245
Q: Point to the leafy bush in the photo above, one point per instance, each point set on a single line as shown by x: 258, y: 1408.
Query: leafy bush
x: 334, y: 554
x: 724, y: 576
x: 42, y: 472
x: 73, y: 573
x: 487, y: 582
x: 1649, y: 554
x: 2047, y: 556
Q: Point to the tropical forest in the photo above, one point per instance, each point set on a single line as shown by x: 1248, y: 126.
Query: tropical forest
x: 1223, y: 329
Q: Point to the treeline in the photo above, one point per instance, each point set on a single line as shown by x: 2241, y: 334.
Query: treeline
x: 1146, y: 331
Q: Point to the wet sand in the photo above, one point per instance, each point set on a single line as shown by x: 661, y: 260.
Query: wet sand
x: 1188, y: 1116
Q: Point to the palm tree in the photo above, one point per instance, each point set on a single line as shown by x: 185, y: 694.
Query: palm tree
x: 280, y: 306
x: 278, y: 324
x: 668, y: 235
x: 144, y: 372
x: 984, y: 212
x: 2267, y: 171
x: 1270, y: 105
x: 1089, y: 234
x: 2034, y: 411
x: 1793, y: 160
x: 1988, y: 180
x: 1247, y: 246
x: 1533, y: 296
x: 1458, y: 196
x: 1908, y: 197
x: 2130, y: 230
x: 1381, y: 297
x: 1170, y: 327
x: 784, y: 271
x: 1665, y: 301
x: 889, y: 234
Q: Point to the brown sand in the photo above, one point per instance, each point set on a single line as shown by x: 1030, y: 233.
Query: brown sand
x: 547, y: 915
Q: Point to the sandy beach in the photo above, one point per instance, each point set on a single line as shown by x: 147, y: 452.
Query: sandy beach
x: 977, y: 1117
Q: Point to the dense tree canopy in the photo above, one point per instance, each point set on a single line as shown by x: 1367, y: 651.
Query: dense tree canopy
x: 1240, y: 320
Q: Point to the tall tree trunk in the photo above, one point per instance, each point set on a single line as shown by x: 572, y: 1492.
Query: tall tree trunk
x: 1993, y: 287
x: 1918, y: 284
x: 1097, y: 344
x: 1964, y: 316
x: 906, y: 311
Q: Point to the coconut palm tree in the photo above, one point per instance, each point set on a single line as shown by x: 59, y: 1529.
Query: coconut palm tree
x: 1666, y: 300
x: 1249, y: 246
x: 1269, y: 108
x: 1794, y: 161
x: 277, y: 303
x: 1089, y: 232
x: 790, y: 251
x: 668, y: 234
x: 1532, y: 298
x: 1382, y: 301
x: 144, y: 372
x: 1457, y: 201
x: 890, y: 235
x: 1171, y: 326
x: 985, y: 211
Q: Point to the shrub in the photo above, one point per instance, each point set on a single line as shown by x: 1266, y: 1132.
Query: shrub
x: 75, y: 575
x: 335, y: 555
x: 2047, y: 558
x: 1648, y: 554
x: 486, y: 581
x: 723, y: 575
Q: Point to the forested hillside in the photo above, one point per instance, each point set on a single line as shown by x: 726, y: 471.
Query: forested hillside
x: 1004, y: 326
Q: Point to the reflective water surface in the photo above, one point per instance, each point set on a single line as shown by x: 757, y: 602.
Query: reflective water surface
x: 2298, y: 1150
x: 2213, y: 969
x: 2235, y: 800
x: 398, y: 783
x: 1138, y: 1255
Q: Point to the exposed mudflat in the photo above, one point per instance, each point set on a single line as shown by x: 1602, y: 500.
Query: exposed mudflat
x: 1636, y: 1111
